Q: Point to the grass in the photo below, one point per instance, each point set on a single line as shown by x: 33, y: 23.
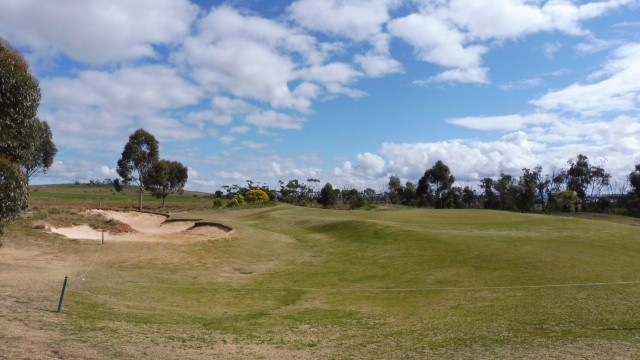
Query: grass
x: 389, y: 283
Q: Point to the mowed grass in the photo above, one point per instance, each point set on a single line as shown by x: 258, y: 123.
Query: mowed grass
x: 392, y: 283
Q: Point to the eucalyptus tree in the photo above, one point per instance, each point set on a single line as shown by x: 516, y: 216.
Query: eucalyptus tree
x: 19, y: 101
x: 165, y: 177
x: 435, y: 183
x: 138, y: 157
x: 41, y: 151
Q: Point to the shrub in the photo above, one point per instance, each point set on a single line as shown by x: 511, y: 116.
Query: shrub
x: 236, y: 201
x: 256, y: 196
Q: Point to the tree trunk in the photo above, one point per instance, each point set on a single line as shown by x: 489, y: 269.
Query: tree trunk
x: 140, y: 199
x: 164, y: 197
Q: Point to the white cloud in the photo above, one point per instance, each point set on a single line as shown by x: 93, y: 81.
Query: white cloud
x: 254, y: 145
x: 456, y: 34
x: 368, y: 166
x: 135, y: 91
x: 95, y: 31
x: 272, y: 119
x: 618, y: 91
x: 239, y: 130
x: 253, y: 57
x: 466, y: 75
x: 375, y: 65
x: 169, y: 129
x: 436, y: 41
x: 227, y: 139
x: 507, y: 122
x: 549, y: 49
x: 522, y: 84
x: 208, y: 116
x: 355, y: 19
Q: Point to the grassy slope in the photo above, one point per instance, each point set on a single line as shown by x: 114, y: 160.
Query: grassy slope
x: 401, y: 283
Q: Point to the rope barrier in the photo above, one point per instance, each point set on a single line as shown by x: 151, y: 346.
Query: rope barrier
x: 90, y: 266
x: 282, y: 288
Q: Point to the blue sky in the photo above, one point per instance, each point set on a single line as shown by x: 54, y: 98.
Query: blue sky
x: 346, y: 91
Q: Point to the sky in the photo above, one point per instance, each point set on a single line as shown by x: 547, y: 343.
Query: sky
x: 345, y: 91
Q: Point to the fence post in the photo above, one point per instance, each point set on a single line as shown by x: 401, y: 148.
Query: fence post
x: 64, y: 285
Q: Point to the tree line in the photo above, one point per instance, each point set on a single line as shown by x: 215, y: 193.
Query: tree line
x: 581, y: 186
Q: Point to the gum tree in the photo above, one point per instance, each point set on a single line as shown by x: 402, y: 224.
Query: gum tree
x: 19, y: 101
x: 166, y: 177
x: 41, y: 151
x: 138, y: 157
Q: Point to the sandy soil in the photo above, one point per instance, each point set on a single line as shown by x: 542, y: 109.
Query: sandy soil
x: 147, y: 227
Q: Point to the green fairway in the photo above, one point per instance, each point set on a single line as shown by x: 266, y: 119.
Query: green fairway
x: 393, y: 283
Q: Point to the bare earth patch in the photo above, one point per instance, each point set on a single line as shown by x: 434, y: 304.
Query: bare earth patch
x: 145, y: 227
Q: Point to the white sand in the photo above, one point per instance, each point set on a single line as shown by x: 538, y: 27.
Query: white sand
x: 147, y: 227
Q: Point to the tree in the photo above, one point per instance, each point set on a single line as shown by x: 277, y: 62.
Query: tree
x: 395, y: 189
x: 328, y: 196
x: 568, y: 199
x: 435, y: 183
x: 468, y: 196
x: 353, y: 198
x: 634, y: 180
x: 527, y: 188
x: 14, y: 197
x: 139, y: 155
x: 491, y: 200
x: 506, y: 189
x: 41, y: 151
x: 19, y: 101
x: 165, y: 177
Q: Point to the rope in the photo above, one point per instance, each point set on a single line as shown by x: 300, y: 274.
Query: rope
x: 276, y: 288
x: 90, y: 266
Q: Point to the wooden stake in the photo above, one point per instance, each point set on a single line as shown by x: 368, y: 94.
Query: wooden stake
x: 64, y: 285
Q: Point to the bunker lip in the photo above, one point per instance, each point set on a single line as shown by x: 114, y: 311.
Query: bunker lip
x: 147, y: 226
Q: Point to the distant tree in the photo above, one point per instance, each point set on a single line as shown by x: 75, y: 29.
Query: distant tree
x: 256, y: 196
x: 568, y: 199
x: 353, y: 198
x: 328, y: 196
x: 41, y: 151
x: 527, y: 189
x: 631, y: 201
x: 506, y: 189
x: 634, y: 181
x: 395, y: 190
x: 19, y: 101
x: 468, y: 196
x: 435, y: 183
x: 369, y: 195
x: 312, y: 185
x: 409, y: 194
x: 491, y: 199
x: 165, y: 177
x: 117, y: 185
x: 293, y: 191
x: 138, y: 157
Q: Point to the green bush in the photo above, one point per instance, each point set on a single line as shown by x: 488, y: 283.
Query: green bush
x: 236, y: 201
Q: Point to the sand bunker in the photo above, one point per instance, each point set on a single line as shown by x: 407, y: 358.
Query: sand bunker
x: 146, y: 227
